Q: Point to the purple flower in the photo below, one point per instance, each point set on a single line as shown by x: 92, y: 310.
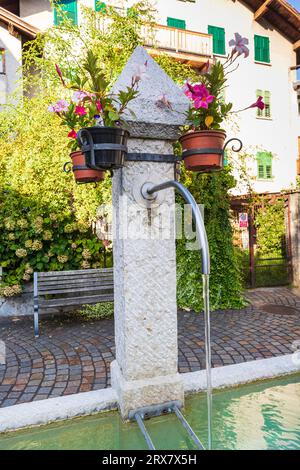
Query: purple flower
x: 60, y: 107
x: 239, y: 45
x: 78, y: 96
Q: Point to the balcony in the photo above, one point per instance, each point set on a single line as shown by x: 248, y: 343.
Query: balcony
x: 186, y: 46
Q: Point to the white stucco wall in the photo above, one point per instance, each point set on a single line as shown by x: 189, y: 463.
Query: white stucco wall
x: 13, y: 58
x: 278, y: 134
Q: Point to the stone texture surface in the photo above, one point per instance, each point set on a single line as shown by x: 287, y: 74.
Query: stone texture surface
x: 145, y: 291
x: 55, y: 409
x: 135, y: 394
x: 19, y: 305
x: 72, y: 357
x: 151, y: 89
x: 237, y: 374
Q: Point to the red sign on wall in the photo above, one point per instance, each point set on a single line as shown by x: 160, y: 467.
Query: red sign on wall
x: 243, y: 220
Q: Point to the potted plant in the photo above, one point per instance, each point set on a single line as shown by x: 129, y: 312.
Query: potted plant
x: 203, y: 138
x: 94, y: 117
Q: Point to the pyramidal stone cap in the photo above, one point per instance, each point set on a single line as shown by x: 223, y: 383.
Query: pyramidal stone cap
x: 148, y: 107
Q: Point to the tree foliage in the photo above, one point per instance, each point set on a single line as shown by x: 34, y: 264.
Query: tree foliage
x: 39, y: 202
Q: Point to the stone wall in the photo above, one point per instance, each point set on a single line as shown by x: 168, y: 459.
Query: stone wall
x: 19, y: 305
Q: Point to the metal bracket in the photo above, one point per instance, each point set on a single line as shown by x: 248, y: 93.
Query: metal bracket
x: 151, y: 157
x: 66, y: 170
x: 142, y: 414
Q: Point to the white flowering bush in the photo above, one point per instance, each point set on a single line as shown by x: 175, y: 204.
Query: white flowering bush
x: 47, y: 242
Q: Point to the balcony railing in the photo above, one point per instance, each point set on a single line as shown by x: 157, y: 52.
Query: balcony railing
x: 181, y: 43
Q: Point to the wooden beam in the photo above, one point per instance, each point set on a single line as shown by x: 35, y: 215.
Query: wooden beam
x: 296, y: 45
x: 262, y: 10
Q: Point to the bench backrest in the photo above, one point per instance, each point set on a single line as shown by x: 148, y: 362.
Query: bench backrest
x: 59, y: 288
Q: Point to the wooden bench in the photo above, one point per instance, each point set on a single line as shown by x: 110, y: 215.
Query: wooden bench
x: 61, y: 289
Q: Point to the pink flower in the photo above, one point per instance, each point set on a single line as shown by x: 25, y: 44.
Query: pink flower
x: 206, y: 68
x: 239, y: 45
x: 60, y: 74
x: 72, y: 134
x: 203, y: 101
x: 140, y: 73
x: 99, y: 106
x: 106, y: 243
x: 78, y: 96
x: 52, y: 108
x: 60, y: 107
x: 80, y: 111
x: 187, y: 90
x: 258, y: 104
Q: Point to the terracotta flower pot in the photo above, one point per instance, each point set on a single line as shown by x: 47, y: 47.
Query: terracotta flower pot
x: 82, y: 173
x: 203, y: 150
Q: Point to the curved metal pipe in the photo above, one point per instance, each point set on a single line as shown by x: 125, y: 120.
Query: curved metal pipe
x: 200, y: 228
x: 203, y: 242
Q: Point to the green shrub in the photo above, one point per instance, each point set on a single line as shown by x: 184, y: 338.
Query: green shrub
x: 97, y: 312
x: 211, y: 190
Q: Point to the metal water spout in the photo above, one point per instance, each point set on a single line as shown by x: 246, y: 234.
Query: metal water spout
x: 149, y: 192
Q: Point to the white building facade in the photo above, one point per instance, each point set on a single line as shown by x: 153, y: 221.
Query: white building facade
x: 196, y: 30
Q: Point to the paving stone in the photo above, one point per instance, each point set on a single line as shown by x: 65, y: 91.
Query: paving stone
x: 70, y: 357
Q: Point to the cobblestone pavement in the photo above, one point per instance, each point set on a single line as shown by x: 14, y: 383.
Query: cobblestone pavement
x: 72, y: 356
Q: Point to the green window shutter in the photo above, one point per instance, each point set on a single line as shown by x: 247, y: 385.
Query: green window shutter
x: 69, y: 7
x: 218, y: 39
x: 261, y: 48
x: 267, y: 100
x: 259, y: 112
x: 100, y: 6
x: 176, y: 23
x: 264, y: 165
x: 267, y: 109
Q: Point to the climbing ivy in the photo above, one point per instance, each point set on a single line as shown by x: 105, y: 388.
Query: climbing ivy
x: 211, y: 190
x: 270, y: 227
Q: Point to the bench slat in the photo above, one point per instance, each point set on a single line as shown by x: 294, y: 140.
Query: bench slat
x: 78, y: 272
x: 70, y: 291
x: 78, y: 284
x: 76, y: 301
x: 61, y: 280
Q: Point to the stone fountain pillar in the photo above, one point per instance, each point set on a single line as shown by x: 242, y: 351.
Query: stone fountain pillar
x: 145, y: 371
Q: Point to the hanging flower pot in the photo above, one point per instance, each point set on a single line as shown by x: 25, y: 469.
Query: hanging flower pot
x: 82, y: 173
x: 103, y: 147
x: 203, y: 150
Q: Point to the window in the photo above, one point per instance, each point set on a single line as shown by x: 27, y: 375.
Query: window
x: 2, y: 61
x: 218, y: 39
x: 69, y: 7
x: 262, y: 49
x: 264, y: 165
x: 176, y: 23
x: 99, y: 6
x: 264, y: 113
